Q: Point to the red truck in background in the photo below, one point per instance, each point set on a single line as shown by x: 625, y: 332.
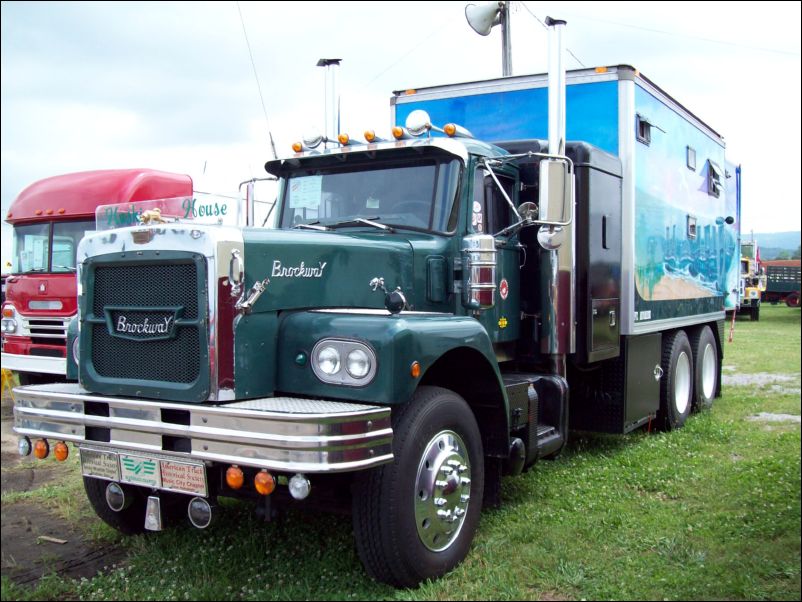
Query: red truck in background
x: 782, y: 281
x: 49, y: 218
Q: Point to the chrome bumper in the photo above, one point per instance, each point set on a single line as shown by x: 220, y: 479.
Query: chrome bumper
x: 278, y: 433
x: 34, y: 363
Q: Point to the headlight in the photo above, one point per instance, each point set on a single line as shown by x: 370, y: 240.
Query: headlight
x: 76, y: 350
x: 328, y: 360
x: 358, y: 363
x: 359, y: 359
x: 9, y: 326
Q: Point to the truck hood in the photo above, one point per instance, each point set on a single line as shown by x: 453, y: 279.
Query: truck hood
x: 309, y: 269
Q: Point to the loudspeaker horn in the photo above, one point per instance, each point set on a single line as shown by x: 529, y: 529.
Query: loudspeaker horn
x: 482, y: 17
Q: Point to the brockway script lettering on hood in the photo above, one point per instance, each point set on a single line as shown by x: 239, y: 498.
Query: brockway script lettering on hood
x: 300, y: 271
x: 146, y: 327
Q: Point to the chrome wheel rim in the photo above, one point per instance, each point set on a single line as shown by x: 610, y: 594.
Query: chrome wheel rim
x: 682, y: 383
x: 709, y: 362
x: 442, y: 490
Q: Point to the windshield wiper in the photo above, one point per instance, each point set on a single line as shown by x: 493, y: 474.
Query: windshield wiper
x: 311, y: 226
x: 361, y: 221
x: 66, y: 267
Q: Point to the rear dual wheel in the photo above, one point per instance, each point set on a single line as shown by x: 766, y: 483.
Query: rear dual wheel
x: 706, y: 368
x: 676, y: 385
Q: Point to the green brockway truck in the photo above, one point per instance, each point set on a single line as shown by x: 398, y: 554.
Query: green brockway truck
x: 431, y: 312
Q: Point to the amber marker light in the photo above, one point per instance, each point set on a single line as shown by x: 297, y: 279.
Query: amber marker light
x: 61, y: 451
x: 235, y: 478
x: 41, y: 449
x: 414, y: 369
x: 601, y: 69
x: 344, y: 139
x: 370, y: 135
x: 8, y: 312
x: 264, y: 482
x: 450, y: 129
x: 38, y: 212
x: 62, y: 211
x: 398, y: 132
x: 297, y: 147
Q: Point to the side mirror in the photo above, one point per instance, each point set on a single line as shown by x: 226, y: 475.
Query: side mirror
x: 556, y: 192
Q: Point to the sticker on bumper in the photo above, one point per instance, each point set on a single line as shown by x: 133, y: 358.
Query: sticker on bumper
x: 140, y: 471
x: 100, y: 464
x: 186, y: 478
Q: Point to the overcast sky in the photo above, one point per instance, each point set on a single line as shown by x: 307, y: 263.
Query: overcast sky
x: 170, y: 86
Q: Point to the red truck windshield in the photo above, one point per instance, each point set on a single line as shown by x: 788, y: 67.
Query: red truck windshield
x: 48, y: 247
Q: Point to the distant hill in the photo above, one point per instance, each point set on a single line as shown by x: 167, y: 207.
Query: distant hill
x: 772, y: 243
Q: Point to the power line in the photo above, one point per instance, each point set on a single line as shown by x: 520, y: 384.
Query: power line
x: 690, y: 37
x: 568, y: 50
x: 258, y: 85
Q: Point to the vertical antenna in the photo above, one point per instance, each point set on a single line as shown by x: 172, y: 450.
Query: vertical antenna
x: 258, y: 85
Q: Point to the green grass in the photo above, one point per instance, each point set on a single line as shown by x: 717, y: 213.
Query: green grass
x: 709, y: 512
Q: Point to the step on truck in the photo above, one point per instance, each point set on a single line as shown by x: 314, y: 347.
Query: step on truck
x: 432, y: 311
x: 49, y: 218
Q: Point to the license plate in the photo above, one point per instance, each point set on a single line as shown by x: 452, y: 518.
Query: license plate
x: 146, y: 471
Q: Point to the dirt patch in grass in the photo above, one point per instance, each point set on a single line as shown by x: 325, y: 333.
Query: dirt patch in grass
x: 767, y: 417
x: 759, y: 379
x: 27, y: 554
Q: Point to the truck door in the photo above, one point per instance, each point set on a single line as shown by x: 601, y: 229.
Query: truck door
x: 490, y: 213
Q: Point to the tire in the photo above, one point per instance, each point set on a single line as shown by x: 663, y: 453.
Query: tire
x: 676, y: 386
x: 130, y: 520
x: 705, y: 368
x: 792, y: 300
x: 437, y: 445
x: 32, y: 378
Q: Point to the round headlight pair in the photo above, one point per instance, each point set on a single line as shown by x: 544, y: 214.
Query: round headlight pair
x: 343, y: 362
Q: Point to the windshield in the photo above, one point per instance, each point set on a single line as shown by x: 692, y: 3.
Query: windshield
x: 48, y: 247
x: 415, y: 195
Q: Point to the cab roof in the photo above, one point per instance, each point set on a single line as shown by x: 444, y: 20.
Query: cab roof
x: 77, y: 194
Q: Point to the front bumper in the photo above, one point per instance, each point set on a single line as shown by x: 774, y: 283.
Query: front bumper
x: 277, y: 433
x: 34, y: 363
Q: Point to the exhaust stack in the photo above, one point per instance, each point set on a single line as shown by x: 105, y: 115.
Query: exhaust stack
x: 556, y: 87
x: 557, y: 264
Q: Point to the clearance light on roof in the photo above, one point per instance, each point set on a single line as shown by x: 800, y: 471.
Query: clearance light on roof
x: 400, y: 133
x: 371, y: 137
x: 309, y: 143
x: 456, y: 131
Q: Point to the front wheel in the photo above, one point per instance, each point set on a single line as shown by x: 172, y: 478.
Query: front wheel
x: 129, y: 520
x: 415, y: 519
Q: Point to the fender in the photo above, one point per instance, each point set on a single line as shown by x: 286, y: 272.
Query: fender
x: 398, y: 340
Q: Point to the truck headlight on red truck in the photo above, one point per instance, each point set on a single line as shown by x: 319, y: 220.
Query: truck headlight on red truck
x: 344, y: 362
x: 9, y: 324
